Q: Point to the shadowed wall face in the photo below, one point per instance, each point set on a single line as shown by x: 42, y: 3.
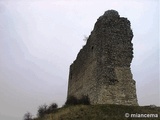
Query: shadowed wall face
x: 102, y: 68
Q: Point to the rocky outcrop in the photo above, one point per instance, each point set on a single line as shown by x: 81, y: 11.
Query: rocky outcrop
x: 102, y: 67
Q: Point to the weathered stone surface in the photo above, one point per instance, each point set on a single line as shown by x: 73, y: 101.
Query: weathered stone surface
x: 102, y: 67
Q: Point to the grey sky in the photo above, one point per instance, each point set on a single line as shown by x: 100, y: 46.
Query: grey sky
x: 39, y: 39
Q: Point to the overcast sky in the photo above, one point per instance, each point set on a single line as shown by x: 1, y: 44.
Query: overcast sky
x: 39, y: 39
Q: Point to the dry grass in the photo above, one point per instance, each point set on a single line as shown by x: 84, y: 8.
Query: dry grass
x: 100, y: 112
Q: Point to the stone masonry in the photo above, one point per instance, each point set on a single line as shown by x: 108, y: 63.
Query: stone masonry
x: 102, y: 67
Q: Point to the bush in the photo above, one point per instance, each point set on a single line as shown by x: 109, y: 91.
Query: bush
x: 52, y: 108
x: 42, y: 110
x: 71, y: 100
x: 84, y: 100
x: 27, y: 116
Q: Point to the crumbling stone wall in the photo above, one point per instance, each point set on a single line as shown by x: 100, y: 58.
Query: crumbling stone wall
x: 102, y: 67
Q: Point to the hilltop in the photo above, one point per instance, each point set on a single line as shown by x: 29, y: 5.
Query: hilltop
x: 102, y: 112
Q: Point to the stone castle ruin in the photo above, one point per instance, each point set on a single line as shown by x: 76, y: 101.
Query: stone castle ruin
x: 102, y: 67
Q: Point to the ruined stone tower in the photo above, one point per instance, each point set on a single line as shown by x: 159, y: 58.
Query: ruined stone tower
x: 102, y: 67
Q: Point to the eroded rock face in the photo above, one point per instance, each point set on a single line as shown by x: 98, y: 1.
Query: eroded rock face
x: 102, y: 67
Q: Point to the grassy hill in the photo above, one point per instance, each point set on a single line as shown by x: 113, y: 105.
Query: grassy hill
x: 103, y: 112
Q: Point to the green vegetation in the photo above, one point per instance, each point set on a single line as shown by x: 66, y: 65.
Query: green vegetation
x: 84, y: 100
x: 44, y: 110
x: 101, y: 112
x: 80, y: 109
x: 27, y: 116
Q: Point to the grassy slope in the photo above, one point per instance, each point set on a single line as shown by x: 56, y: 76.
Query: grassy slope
x: 100, y: 112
